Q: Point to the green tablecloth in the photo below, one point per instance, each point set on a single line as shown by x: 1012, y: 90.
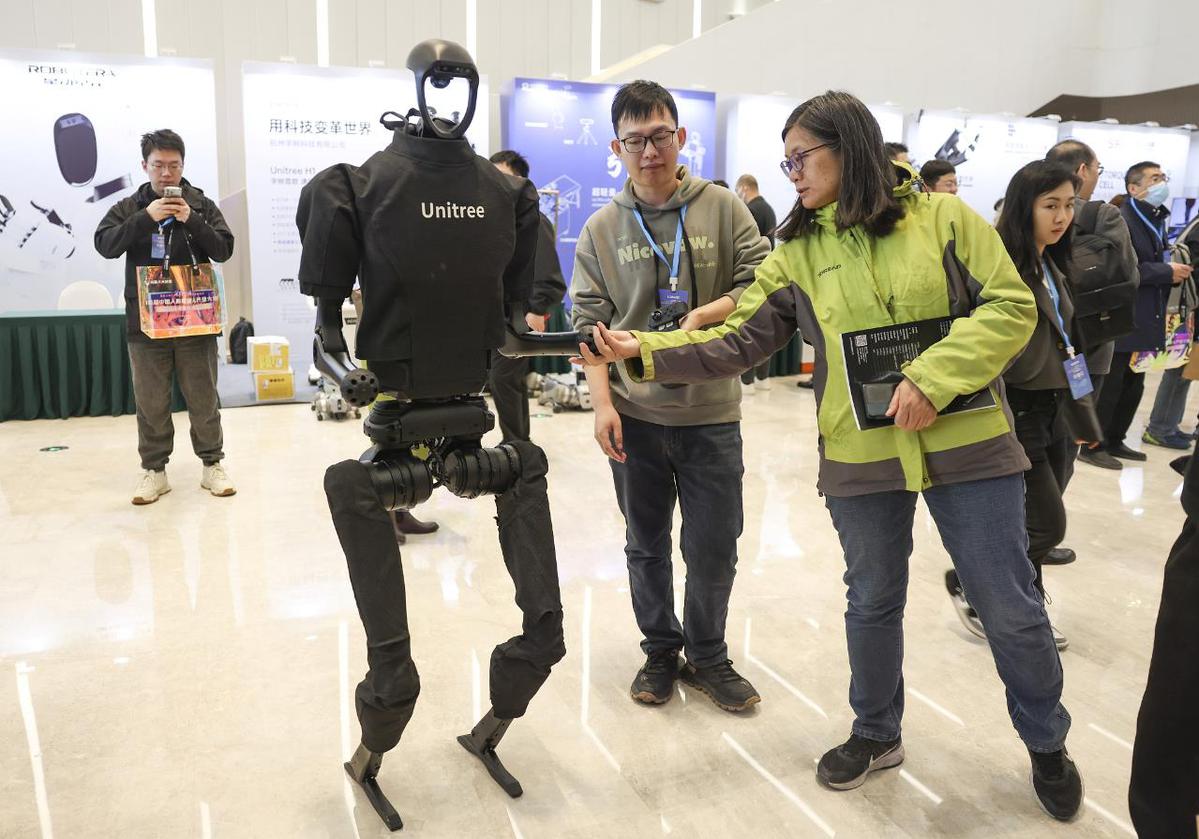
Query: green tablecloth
x: 65, y: 364
x: 785, y: 362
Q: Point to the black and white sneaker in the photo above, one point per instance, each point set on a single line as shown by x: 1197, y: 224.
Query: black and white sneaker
x: 1057, y: 784
x: 654, y: 683
x: 722, y: 684
x: 847, y: 766
x: 961, y: 605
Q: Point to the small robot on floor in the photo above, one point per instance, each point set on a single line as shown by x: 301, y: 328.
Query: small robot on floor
x: 443, y: 245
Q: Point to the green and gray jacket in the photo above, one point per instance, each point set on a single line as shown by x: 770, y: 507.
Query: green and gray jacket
x: 942, y: 259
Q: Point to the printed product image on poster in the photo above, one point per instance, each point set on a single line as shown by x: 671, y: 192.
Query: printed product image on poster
x: 31, y: 241
x: 180, y: 301
x: 75, y: 147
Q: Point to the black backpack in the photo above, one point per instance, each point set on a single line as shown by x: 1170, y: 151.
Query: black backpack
x: 241, y: 330
x: 1104, y: 299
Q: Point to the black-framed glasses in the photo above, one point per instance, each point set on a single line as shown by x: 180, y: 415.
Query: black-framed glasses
x: 635, y: 143
x: 795, y: 162
x: 1100, y: 172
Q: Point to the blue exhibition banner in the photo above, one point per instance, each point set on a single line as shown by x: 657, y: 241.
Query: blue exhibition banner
x: 564, y: 129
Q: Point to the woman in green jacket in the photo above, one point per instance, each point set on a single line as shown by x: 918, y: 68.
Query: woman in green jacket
x: 862, y: 252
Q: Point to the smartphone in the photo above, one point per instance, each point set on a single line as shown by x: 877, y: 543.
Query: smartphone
x: 172, y: 192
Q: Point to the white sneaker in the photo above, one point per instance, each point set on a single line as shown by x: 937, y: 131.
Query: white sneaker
x: 150, y: 487
x: 1059, y: 640
x: 216, y: 480
x: 762, y: 384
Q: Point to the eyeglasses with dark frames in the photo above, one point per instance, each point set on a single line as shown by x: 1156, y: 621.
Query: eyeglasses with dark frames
x: 795, y: 162
x: 635, y: 143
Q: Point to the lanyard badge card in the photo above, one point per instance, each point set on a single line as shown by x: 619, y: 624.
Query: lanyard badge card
x: 673, y: 294
x: 1077, y: 375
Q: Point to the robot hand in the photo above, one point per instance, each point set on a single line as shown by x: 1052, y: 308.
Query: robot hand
x: 521, y: 341
x: 358, y: 387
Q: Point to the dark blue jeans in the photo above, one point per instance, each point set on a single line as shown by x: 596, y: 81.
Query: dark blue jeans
x: 701, y: 466
x: 981, y: 524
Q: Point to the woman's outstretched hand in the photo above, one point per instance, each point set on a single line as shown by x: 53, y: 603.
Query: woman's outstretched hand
x: 611, y: 345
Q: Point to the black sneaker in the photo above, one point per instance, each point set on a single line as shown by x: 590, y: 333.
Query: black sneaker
x: 847, y: 766
x: 1122, y: 451
x: 722, y: 684
x: 1056, y: 782
x: 654, y: 682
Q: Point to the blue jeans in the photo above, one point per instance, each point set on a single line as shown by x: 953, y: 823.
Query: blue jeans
x: 981, y: 524
x: 1170, y: 404
x: 701, y: 465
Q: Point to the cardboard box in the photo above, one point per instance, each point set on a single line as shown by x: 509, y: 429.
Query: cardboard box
x: 268, y: 353
x: 271, y: 385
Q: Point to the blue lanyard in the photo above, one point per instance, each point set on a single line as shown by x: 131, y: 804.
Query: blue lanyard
x: 1057, y: 306
x: 678, y: 245
x: 1158, y: 234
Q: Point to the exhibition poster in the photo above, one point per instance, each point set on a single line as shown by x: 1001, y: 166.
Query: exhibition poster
x: 299, y: 120
x: 77, y: 120
x: 985, y: 149
x: 564, y: 129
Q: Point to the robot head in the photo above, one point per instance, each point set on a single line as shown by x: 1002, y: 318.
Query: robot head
x: 439, y: 63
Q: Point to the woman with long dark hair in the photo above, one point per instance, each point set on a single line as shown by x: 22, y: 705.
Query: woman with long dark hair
x: 862, y: 250
x: 1035, y: 226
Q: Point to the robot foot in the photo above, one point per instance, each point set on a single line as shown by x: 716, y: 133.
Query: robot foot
x: 481, y: 743
x: 363, y: 768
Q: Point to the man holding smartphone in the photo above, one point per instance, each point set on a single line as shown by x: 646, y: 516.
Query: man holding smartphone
x: 167, y: 215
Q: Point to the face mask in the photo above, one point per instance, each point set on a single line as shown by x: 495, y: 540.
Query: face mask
x: 1157, y: 194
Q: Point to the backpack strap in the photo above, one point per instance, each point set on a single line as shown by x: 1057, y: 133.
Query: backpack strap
x: 1088, y: 218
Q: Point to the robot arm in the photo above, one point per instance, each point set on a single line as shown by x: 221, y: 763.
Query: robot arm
x: 358, y: 386
x: 328, y: 265
x: 519, y: 340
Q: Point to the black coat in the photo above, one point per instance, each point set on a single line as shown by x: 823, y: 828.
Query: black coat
x: 126, y: 228
x: 1157, y: 279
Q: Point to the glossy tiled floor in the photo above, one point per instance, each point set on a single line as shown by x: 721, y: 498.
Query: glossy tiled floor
x: 185, y: 669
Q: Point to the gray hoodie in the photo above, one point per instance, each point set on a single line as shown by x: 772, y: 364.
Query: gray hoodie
x: 617, y: 278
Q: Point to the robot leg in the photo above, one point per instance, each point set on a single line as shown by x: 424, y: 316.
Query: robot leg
x: 520, y: 665
x: 387, y: 694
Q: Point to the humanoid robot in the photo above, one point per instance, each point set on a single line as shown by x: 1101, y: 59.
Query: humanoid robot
x: 443, y: 245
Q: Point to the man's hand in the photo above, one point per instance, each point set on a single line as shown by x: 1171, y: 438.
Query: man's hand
x: 183, y: 212
x: 612, y: 346
x: 693, y: 320
x: 160, y: 208
x: 536, y: 322
x: 608, y: 433
x: 1181, y: 272
x: 910, y: 408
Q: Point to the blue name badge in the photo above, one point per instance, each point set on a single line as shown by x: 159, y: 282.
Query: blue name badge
x: 1078, y: 377
x: 667, y: 296
x: 158, y: 246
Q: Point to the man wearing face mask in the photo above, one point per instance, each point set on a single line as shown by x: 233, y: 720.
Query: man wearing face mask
x: 1145, y: 214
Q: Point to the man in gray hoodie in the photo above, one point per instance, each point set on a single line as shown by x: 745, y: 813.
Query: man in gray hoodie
x: 670, y: 244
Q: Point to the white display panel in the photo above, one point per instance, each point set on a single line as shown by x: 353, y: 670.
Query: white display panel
x: 1120, y: 146
x: 753, y: 143
x: 986, y: 150
x: 72, y: 148
x: 300, y: 120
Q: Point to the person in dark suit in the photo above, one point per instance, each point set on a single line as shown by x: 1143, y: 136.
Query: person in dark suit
x: 1145, y: 216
